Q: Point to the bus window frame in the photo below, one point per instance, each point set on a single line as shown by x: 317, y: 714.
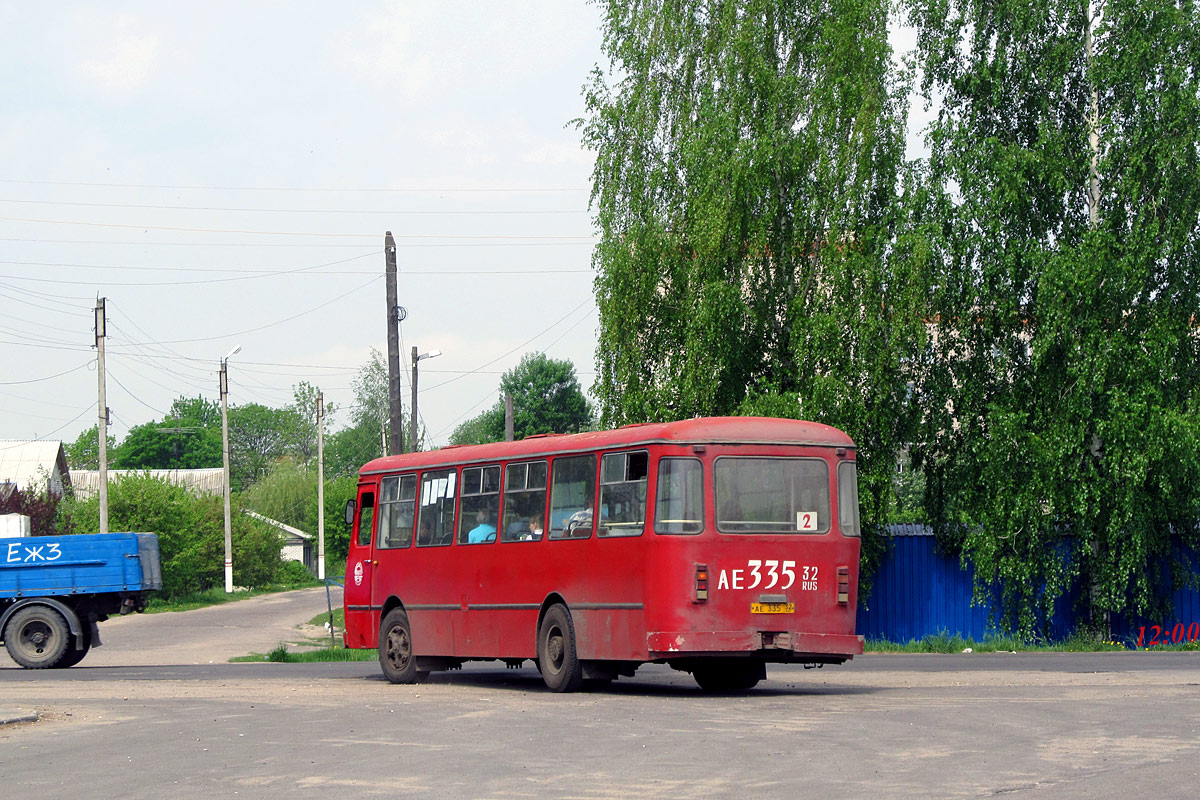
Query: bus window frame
x: 658, y: 485
x: 461, y: 536
x: 450, y: 471
x: 827, y: 522
x: 504, y: 492
x: 574, y: 533
x: 606, y: 531
x: 857, y: 512
x: 392, y: 505
x: 364, y: 506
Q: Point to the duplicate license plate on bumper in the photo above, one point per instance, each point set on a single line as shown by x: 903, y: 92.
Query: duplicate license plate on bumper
x: 772, y: 608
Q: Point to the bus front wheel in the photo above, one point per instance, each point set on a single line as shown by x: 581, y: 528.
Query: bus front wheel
x: 738, y: 676
x: 396, y: 656
x: 558, y: 660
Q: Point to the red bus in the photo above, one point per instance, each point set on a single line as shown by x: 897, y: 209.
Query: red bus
x: 713, y: 545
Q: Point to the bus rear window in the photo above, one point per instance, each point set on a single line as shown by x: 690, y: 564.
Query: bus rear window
x: 679, y: 506
x: 771, y: 495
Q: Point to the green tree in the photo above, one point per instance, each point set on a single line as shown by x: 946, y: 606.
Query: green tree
x: 258, y: 437
x: 190, y: 438
x: 749, y: 156
x: 304, y: 445
x: 84, y: 452
x: 372, y: 407
x: 547, y: 398
x: 1060, y: 217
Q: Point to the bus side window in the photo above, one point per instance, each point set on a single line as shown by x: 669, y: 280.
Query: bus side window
x: 435, y: 518
x: 396, y: 505
x: 524, y: 502
x: 479, y: 513
x: 623, y: 493
x: 572, y: 497
x: 366, y: 515
x: 679, y: 507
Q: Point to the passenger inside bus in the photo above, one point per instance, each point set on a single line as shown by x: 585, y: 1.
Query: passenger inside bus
x: 483, y: 531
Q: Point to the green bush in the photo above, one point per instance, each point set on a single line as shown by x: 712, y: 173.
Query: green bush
x: 191, y: 533
x: 293, y: 572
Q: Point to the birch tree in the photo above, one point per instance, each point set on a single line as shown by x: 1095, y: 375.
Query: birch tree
x: 748, y: 159
x: 1061, y: 216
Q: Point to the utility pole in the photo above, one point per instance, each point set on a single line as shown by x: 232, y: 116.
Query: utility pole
x: 415, y: 359
x: 225, y: 460
x: 508, y: 417
x: 320, y: 486
x: 412, y: 432
x: 394, y: 315
x: 102, y: 409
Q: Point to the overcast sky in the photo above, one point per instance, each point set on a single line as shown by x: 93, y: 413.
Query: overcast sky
x: 223, y: 173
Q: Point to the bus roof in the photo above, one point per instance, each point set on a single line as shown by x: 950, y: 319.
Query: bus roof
x: 704, y: 430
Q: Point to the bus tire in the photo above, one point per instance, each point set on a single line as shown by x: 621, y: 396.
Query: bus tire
x: 396, y: 657
x: 37, y: 637
x: 739, y: 676
x: 558, y: 659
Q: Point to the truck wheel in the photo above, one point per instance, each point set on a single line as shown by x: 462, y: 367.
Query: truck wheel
x: 72, y: 656
x: 37, y: 637
x: 558, y: 659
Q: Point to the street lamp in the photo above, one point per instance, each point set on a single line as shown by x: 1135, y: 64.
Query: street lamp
x: 412, y: 432
x: 225, y: 459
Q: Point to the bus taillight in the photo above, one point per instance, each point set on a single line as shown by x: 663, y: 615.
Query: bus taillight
x: 701, y: 583
x: 843, y: 585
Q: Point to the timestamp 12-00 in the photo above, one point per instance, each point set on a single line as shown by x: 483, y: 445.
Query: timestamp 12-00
x: 1163, y: 634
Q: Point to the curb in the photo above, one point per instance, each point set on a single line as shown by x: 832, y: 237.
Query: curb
x: 11, y: 717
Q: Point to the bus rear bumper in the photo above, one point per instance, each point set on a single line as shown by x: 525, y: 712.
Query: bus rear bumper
x: 790, y: 645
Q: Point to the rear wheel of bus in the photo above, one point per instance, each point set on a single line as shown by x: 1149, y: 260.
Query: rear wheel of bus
x: 396, y: 656
x: 558, y: 658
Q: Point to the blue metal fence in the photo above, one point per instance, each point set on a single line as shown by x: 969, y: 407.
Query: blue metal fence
x: 920, y: 592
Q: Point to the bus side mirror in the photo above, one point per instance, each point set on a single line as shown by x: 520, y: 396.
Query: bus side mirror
x: 350, y: 513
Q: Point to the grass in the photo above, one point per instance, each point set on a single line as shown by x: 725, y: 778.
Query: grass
x: 944, y: 642
x: 281, y: 654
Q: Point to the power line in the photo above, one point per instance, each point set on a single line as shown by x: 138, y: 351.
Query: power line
x: 365, y: 190
x: 269, y: 324
x: 259, y: 273
x: 515, y: 349
x: 393, y: 212
x: 250, y: 232
x: 306, y: 245
x: 302, y: 271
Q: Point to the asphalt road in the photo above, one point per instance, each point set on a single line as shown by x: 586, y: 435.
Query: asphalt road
x: 1029, y: 726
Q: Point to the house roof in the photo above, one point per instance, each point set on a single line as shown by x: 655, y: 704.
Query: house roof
x: 199, y: 481
x: 28, y: 464
x: 293, y: 533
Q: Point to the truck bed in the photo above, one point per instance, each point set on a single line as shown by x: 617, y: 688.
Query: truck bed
x: 81, y: 564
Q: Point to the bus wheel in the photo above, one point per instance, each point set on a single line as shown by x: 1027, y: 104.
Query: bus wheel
x: 558, y: 660
x: 726, y: 677
x: 395, y: 648
x: 37, y: 637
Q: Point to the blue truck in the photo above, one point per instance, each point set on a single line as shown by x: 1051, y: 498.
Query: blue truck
x: 55, y: 589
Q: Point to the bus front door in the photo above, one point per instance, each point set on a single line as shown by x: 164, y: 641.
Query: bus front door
x: 362, y: 629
